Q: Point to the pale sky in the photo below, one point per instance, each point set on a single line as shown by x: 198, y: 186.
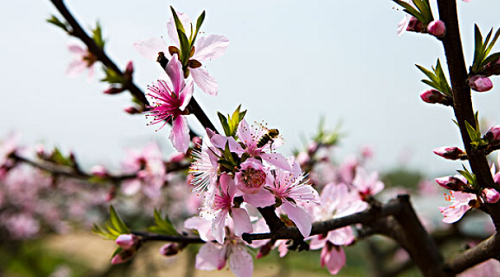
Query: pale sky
x: 288, y: 63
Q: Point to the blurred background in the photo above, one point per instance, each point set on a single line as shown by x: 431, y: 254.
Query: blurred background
x: 289, y: 63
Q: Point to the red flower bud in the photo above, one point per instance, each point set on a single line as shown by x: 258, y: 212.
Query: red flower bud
x: 452, y: 183
x: 491, y: 195
x: 493, y: 135
x: 448, y: 152
x: 437, y: 28
x: 480, y: 83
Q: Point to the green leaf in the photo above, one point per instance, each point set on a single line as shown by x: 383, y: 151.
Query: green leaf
x: 117, y: 222
x: 185, y: 47
x: 224, y: 123
x: 54, y: 20
x: 97, y: 36
x: 58, y: 158
x: 495, y: 38
x: 474, y: 136
x: 424, y: 10
x: 163, y: 225
x: 112, y: 77
x: 410, y: 10
x: 199, y: 22
x: 178, y: 23
x: 226, y: 164
x: 98, y: 230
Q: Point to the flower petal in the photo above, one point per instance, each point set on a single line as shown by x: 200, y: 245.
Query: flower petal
x: 149, y: 48
x: 76, y: 67
x: 299, y: 216
x: 276, y: 159
x: 240, y: 261
x: 261, y: 199
x: 210, y: 47
x: 175, y: 73
x: 241, y: 220
x: 336, y: 260
x: 204, y: 81
x: 180, y: 134
x: 186, y: 95
x: 210, y: 256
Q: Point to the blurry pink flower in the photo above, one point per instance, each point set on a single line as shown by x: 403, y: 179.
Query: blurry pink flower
x: 437, y: 28
x: 214, y: 256
x: 480, y: 83
x: 367, y: 185
x: 21, y: 226
x: 170, y: 104
x: 123, y: 256
x: 461, y: 203
x: 169, y: 249
x: 491, y: 195
x: 205, y: 48
x: 333, y: 257
x: 82, y: 59
x: 99, y: 171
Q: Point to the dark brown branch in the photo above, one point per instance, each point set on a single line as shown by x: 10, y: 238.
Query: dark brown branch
x: 77, y: 31
x: 154, y: 237
x: 487, y: 249
x: 463, y: 109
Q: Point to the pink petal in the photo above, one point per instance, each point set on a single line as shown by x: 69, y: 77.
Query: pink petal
x: 204, y: 81
x: 299, y: 216
x: 342, y: 236
x: 210, y: 256
x: 76, y: 67
x: 276, y: 159
x: 454, y: 213
x: 203, y: 226
x: 180, y: 134
x: 149, y: 48
x: 175, y: 73
x: 210, y: 47
x: 316, y: 242
x: 76, y: 49
x: 218, y: 226
x: 186, y: 95
x: 240, y: 261
x: 261, y: 199
x: 336, y: 260
x: 241, y: 220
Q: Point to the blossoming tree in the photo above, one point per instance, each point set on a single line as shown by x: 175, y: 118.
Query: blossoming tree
x: 234, y: 189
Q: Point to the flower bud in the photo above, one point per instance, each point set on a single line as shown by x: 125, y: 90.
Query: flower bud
x: 451, y: 183
x: 437, y: 28
x: 432, y: 96
x: 99, y: 171
x: 450, y: 153
x: 491, y: 195
x: 265, y: 249
x: 113, y: 90
x: 131, y: 110
x: 493, y: 135
x: 127, y: 241
x: 415, y: 25
x: 480, y: 83
x: 177, y: 157
x: 123, y: 256
x: 169, y: 249
x: 130, y: 68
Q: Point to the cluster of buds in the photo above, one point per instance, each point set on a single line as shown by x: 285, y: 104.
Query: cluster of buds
x: 436, y: 28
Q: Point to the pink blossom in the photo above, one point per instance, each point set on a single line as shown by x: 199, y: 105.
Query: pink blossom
x: 123, y: 256
x: 293, y: 191
x: 437, y: 28
x: 148, y: 165
x: 461, y: 202
x: 205, y: 48
x: 367, y: 185
x: 205, y: 167
x: 21, y: 226
x: 491, y: 195
x: 480, y: 83
x: 99, y: 171
x: 251, y: 177
x: 170, y: 104
x: 82, y: 59
x: 223, y: 206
